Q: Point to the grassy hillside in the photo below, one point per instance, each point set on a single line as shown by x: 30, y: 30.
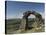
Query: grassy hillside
x: 14, y: 24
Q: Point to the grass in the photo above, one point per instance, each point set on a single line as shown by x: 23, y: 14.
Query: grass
x: 12, y: 26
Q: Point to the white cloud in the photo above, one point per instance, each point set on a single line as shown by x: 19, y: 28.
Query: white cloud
x: 31, y: 16
x: 21, y: 15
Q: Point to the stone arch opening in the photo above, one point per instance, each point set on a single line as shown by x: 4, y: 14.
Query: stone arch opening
x: 31, y: 20
x: 24, y: 22
x: 31, y: 16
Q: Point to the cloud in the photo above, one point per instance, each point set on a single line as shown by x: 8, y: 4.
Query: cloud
x: 31, y: 16
x: 21, y: 15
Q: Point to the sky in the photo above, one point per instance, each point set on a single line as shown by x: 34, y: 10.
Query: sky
x: 16, y: 9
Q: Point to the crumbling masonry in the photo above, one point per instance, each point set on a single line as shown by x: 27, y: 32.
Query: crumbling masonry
x: 24, y: 22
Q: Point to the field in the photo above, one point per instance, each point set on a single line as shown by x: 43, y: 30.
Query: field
x: 12, y: 26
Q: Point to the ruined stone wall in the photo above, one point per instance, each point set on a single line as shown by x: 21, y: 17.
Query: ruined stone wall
x: 24, y: 22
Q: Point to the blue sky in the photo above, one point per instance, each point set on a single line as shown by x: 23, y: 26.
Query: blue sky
x: 16, y: 9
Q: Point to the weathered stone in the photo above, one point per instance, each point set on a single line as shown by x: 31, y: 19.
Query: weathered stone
x: 24, y: 22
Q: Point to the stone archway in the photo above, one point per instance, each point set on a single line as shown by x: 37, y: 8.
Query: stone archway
x: 24, y: 22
